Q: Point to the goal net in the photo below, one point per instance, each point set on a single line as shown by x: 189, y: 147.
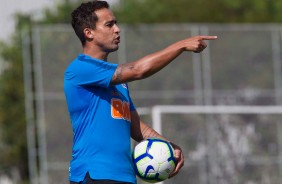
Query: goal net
x: 224, y: 144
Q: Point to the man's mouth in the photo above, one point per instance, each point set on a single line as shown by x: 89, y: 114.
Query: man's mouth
x: 117, y: 39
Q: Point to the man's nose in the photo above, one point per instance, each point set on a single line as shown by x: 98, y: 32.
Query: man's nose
x: 117, y: 29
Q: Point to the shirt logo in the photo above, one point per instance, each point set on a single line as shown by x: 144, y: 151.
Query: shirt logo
x: 124, y: 86
x: 120, y: 109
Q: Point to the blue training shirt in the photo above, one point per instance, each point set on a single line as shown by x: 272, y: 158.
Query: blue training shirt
x: 100, y: 116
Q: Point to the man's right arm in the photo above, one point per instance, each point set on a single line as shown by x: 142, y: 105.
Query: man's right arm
x: 153, y: 63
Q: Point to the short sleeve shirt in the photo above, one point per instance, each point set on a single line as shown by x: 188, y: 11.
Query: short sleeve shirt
x: 100, y: 117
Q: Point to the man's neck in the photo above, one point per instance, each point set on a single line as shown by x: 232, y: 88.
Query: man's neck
x: 95, y: 53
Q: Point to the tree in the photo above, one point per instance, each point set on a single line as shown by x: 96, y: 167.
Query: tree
x: 13, y: 138
x: 220, y: 11
x: 12, y: 118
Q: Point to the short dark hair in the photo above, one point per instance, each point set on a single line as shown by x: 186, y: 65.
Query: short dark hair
x: 85, y: 17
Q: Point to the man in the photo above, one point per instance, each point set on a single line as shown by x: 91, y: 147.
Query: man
x: 102, y: 113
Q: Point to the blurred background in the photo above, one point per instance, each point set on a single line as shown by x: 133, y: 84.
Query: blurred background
x: 223, y: 106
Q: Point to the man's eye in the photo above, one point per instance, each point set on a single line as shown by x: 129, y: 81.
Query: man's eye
x: 109, y: 25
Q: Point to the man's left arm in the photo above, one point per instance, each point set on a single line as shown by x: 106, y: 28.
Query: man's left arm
x: 141, y: 131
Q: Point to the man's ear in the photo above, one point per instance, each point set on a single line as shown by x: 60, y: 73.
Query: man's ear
x: 89, y: 35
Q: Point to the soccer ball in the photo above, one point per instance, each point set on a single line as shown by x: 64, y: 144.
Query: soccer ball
x: 153, y: 160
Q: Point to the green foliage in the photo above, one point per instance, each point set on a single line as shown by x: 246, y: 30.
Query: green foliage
x: 151, y: 11
x: 13, y: 138
x: 12, y: 119
x: 61, y: 14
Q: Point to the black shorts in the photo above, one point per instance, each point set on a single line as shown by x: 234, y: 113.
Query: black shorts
x: 88, y: 180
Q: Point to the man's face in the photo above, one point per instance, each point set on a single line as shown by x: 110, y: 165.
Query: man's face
x: 106, y: 33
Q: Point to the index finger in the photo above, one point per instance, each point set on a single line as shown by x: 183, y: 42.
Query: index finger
x: 208, y: 37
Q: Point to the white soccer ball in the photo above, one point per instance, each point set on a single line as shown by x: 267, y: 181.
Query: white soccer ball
x: 153, y: 160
